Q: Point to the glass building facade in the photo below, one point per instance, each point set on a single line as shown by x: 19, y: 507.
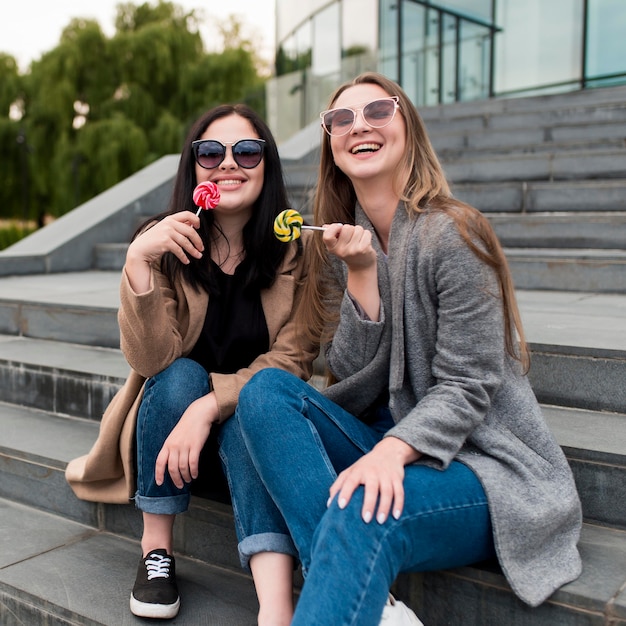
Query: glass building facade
x: 442, y: 51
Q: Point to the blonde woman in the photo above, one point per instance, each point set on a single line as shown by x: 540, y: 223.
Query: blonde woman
x: 430, y: 450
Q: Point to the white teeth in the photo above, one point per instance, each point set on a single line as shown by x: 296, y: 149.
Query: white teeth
x: 229, y: 182
x: 366, y: 147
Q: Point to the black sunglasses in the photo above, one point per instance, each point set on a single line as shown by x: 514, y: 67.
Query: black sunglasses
x: 209, y: 153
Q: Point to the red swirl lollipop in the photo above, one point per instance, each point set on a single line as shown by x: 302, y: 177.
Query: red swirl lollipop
x: 206, y: 196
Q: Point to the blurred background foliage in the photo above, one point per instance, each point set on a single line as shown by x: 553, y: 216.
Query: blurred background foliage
x: 96, y: 109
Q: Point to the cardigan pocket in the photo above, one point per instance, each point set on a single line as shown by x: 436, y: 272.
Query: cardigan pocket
x: 524, y: 453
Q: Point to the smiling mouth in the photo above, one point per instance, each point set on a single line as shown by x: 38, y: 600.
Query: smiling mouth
x: 225, y: 183
x: 366, y: 147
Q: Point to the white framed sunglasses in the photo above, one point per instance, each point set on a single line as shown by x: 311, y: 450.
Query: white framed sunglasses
x: 377, y: 114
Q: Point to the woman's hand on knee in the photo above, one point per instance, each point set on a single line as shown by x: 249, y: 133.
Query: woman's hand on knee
x: 180, y: 454
x: 381, y: 472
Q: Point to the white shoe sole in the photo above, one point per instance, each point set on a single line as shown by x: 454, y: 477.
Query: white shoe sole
x: 158, y: 611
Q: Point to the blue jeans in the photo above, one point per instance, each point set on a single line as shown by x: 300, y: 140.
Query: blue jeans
x: 166, y: 397
x: 298, y: 441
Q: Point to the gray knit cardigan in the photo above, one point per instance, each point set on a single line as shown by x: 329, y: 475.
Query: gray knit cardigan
x: 456, y: 394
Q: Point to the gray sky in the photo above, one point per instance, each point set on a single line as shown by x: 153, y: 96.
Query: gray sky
x: 31, y: 27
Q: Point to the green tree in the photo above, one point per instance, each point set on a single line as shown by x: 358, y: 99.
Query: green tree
x: 97, y: 109
x: 13, y: 148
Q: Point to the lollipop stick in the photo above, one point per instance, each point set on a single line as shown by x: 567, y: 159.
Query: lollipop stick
x: 198, y: 211
x: 312, y: 227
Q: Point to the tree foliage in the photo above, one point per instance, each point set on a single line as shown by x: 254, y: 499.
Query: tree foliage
x: 94, y: 110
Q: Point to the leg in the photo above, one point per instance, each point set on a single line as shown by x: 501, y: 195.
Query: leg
x: 298, y: 442
x: 273, y: 580
x: 265, y: 545
x: 166, y: 397
x: 445, y: 523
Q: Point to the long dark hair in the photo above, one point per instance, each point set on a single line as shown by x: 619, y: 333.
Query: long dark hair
x: 264, y: 253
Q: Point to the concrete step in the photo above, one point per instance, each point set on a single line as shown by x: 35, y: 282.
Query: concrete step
x: 480, y: 596
x: 582, y: 332
x: 35, y: 449
x: 64, y: 573
x: 67, y: 378
x: 572, y: 337
x: 534, y: 139
x: 109, y: 256
x: 583, y: 106
x: 571, y: 196
x: 549, y: 165
x: 101, y: 545
x: 79, y: 307
x: 37, y: 445
x: 586, y: 270
x: 58, y: 572
x: 595, y: 445
x: 489, y: 117
x: 578, y: 348
x: 561, y: 230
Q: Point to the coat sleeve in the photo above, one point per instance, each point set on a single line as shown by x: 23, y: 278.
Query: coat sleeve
x: 152, y: 324
x: 356, y: 340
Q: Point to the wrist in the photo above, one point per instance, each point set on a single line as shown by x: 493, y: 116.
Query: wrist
x: 404, y: 451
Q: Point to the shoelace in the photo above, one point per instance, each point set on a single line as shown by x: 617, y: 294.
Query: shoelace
x: 158, y: 566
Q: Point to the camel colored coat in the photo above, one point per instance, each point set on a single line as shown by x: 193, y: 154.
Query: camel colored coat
x: 158, y: 327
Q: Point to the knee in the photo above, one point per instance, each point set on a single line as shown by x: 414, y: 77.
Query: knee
x: 343, y: 531
x: 266, y: 386
x: 182, y: 369
x: 337, y: 519
x: 179, y: 384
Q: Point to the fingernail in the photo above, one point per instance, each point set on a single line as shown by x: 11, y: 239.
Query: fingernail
x: 367, y: 517
x: 381, y: 518
x: 397, y: 513
x: 329, y: 501
x: 342, y: 503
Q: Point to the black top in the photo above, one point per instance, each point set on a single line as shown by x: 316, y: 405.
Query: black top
x: 235, y: 330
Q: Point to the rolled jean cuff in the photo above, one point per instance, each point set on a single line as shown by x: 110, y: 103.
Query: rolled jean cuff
x: 166, y: 505
x: 265, y: 542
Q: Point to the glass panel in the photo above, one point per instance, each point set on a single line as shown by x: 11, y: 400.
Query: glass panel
x: 448, y: 50
x: 285, y: 100
x: 606, y: 43
x: 286, y: 56
x: 474, y: 58
x: 290, y: 14
x: 388, y: 53
x: 359, y: 27
x: 480, y: 9
x: 432, y: 88
x: 413, y: 69
x: 541, y: 43
x: 295, y: 52
x: 326, y: 41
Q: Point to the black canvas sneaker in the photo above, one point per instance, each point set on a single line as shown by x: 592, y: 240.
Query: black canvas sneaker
x: 155, y: 593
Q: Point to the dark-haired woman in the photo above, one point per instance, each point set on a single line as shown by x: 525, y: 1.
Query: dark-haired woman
x: 206, y: 301
x: 430, y: 451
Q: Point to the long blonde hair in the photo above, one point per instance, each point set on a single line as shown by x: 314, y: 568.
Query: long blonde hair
x: 421, y: 183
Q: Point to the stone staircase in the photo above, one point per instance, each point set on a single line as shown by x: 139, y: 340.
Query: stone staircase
x: 551, y: 174
x: 549, y: 171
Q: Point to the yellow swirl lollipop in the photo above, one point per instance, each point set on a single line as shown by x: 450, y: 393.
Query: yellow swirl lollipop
x: 289, y: 224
